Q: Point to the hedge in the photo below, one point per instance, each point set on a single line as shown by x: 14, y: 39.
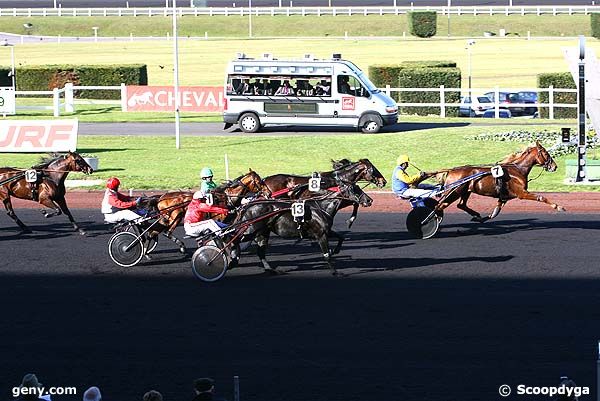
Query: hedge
x: 48, y: 77
x: 595, y: 22
x: 429, y: 78
x: 422, y: 23
x: 562, y: 80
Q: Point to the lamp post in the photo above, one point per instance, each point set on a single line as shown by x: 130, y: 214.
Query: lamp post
x: 449, y: 5
x: 470, y: 44
x: 176, y: 73
x: 12, y: 60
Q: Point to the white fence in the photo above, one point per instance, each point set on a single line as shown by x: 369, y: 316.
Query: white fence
x: 288, y: 11
x: 68, y: 101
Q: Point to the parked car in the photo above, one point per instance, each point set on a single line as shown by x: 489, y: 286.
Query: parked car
x: 474, y: 106
x: 529, y: 97
x: 502, y: 113
x: 506, y: 98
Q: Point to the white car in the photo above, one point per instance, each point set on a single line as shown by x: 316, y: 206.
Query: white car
x: 474, y: 106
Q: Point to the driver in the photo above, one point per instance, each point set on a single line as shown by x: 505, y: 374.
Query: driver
x: 207, y: 184
x: 196, y: 221
x: 117, y: 206
x: 407, y: 186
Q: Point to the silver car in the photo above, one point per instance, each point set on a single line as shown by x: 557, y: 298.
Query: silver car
x: 474, y: 106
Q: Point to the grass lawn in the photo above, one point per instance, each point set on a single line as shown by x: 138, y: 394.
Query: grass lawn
x: 278, y: 26
x: 508, y: 62
x: 154, y: 163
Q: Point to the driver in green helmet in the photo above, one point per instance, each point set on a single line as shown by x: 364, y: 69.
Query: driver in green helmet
x: 207, y: 184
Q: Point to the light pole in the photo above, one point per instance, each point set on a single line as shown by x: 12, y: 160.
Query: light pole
x: 12, y: 60
x: 249, y: 18
x: 176, y: 73
x: 470, y: 44
x: 449, y: 5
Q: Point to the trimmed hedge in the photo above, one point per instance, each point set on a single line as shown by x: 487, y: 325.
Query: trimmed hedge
x: 595, y: 22
x: 48, y: 77
x: 562, y: 80
x: 429, y: 78
x: 422, y: 23
x: 387, y: 74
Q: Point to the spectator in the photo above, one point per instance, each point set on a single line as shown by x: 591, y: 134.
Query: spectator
x: 152, y: 395
x: 303, y: 88
x: 204, y: 389
x: 30, y: 382
x: 92, y: 394
x: 285, y: 89
x: 323, y: 88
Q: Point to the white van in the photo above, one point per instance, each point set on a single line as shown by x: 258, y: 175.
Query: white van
x: 303, y: 92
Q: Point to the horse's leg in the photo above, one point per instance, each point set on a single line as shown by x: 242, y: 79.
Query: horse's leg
x: 324, y: 244
x: 47, y: 201
x: 11, y: 213
x: 171, y: 226
x: 62, y: 203
x: 462, y: 205
x: 497, y: 209
x: 340, y: 239
x: 350, y: 221
x: 525, y: 195
x: 262, y: 241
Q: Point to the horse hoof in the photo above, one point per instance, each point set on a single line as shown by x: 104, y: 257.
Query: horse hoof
x: 560, y: 209
x: 182, y: 250
x: 82, y: 232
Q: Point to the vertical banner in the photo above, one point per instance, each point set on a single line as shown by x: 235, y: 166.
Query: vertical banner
x: 38, y: 135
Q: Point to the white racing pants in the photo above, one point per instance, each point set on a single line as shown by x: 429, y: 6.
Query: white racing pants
x: 121, y: 215
x: 195, y: 229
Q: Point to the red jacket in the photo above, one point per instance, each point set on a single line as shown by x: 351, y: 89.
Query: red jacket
x: 114, y: 201
x: 197, y: 210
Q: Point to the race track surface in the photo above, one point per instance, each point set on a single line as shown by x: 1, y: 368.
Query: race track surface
x: 452, y: 318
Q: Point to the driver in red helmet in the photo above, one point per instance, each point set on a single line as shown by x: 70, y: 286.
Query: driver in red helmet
x: 117, y: 206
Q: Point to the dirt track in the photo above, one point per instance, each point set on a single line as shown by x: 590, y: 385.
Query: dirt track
x: 574, y: 202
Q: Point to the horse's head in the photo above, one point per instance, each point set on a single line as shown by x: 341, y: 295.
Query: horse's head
x: 77, y: 163
x: 255, y: 183
x: 354, y: 193
x: 362, y: 170
x: 543, y: 158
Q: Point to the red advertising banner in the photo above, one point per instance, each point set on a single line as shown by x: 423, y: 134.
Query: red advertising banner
x: 38, y: 135
x: 162, y: 98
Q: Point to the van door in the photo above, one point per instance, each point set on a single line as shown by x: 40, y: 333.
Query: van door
x: 353, y: 99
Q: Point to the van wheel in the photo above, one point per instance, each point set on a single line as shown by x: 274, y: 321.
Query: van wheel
x: 249, y: 122
x: 372, y: 125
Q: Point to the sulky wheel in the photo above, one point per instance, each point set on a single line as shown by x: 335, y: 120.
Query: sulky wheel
x: 416, y: 225
x: 209, y: 263
x: 125, y: 249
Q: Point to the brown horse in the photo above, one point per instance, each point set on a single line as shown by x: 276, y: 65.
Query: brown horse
x: 48, y: 189
x: 173, y: 205
x: 512, y: 185
x: 344, y: 170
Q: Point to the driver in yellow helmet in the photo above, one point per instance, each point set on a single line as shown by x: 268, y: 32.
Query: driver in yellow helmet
x: 407, y: 186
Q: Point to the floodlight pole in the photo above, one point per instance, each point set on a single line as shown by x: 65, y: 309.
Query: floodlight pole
x: 581, y: 145
x: 249, y: 18
x: 176, y: 74
x: 449, y: 5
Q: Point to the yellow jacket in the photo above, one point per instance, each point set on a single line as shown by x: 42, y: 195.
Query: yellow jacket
x: 408, y: 179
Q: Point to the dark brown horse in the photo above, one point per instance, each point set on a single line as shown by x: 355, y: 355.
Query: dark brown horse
x: 173, y: 205
x: 48, y: 188
x: 345, y: 170
x: 512, y: 185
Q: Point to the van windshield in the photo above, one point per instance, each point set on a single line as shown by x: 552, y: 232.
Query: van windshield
x: 368, y: 84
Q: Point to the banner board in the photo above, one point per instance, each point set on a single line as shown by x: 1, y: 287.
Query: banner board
x: 38, y: 135
x: 7, y: 101
x: 162, y: 98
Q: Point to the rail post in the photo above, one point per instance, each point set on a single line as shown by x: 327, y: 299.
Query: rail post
x: 442, y: 102
x: 56, y: 102
x: 551, y: 102
x: 123, y: 97
x: 69, y: 98
x: 581, y: 144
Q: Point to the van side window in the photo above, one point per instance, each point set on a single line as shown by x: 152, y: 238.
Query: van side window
x: 349, y: 85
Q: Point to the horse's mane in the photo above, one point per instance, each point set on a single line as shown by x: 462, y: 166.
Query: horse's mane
x: 45, y: 161
x: 338, y: 164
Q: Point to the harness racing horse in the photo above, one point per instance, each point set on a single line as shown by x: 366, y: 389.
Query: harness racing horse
x: 511, y: 185
x: 345, y: 170
x: 48, y: 188
x: 315, y: 223
x: 173, y: 205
